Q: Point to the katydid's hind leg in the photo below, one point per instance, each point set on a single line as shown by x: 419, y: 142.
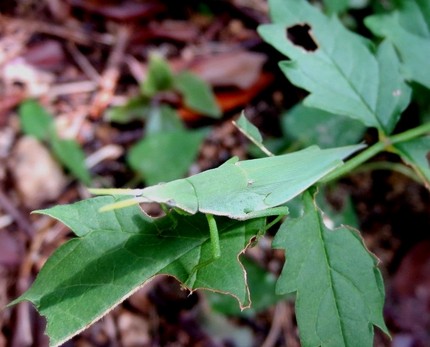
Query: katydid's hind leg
x: 279, y: 211
x: 215, y: 244
x: 274, y: 211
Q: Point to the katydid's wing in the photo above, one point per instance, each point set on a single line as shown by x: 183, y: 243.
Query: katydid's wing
x: 224, y: 192
x: 234, y: 190
x: 288, y: 175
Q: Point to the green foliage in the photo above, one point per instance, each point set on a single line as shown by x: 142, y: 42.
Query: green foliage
x: 339, y: 287
x: 197, y: 94
x: 409, y: 31
x: 165, y: 156
x: 262, y: 291
x: 37, y: 122
x: 117, y: 252
x: 416, y: 153
x: 352, y: 84
x: 159, y: 76
x: 309, y: 126
x: 251, y: 132
x: 167, y: 150
x: 347, y: 79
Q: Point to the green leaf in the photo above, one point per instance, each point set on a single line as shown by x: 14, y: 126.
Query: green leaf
x: 159, y: 76
x: 336, y: 6
x: 197, y: 94
x: 165, y: 156
x: 251, y: 132
x: 163, y: 118
x: 71, y: 155
x: 312, y: 126
x: 409, y: 30
x: 261, y: 287
x: 345, y: 79
x: 35, y: 120
x: 339, y: 289
x: 416, y: 152
x: 121, y: 250
x: 136, y: 108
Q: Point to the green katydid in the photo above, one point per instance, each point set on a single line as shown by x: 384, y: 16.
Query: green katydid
x: 240, y: 190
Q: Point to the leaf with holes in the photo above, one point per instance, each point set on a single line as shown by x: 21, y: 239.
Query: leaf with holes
x: 337, y: 66
x: 340, y: 293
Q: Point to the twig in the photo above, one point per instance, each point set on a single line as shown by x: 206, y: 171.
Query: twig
x: 83, y: 62
x: 72, y: 88
x: 22, y: 334
x: 277, y: 324
x: 73, y: 34
x: 111, y: 74
x: 17, y: 216
x: 289, y: 326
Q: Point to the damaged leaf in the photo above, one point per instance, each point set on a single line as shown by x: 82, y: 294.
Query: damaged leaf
x: 339, y: 289
x: 347, y: 79
x: 117, y: 252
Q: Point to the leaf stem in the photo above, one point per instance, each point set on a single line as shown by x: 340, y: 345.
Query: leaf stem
x: 383, y: 144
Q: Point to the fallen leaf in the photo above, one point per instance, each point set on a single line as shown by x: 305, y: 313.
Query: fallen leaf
x: 240, y: 69
x: 122, y: 10
x: 38, y: 177
x: 47, y: 55
x: 36, y: 82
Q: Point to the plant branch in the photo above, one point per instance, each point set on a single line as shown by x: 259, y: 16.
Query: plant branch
x: 381, y: 145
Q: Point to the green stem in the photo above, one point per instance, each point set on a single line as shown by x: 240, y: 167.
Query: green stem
x: 398, y: 167
x: 381, y: 145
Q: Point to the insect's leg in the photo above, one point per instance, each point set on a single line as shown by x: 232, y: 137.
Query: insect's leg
x: 214, y: 234
x: 169, y: 214
x: 274, y: 211
x: 279, y: 211
x: 215, y: 244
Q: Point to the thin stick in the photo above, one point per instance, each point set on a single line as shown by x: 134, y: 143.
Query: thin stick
x: 276, y: 328
x: 73, y: 34
x: 22, y: 222
x: 110, y: 76
x: 83, y: 62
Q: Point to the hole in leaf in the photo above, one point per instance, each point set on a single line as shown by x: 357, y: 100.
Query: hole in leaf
x: 301, y: 35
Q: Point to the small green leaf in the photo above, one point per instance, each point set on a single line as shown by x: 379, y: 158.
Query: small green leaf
x: 197, y: 94
x: 159, y: 76
x: 165, y: 156
x: 416, y: 152
x: 35, y: 120
x: 136, y: 108
x: 312, y: 126
x: 336, y: 6
x: 345, y: 79
x: 409, y: 30
x: 340, y: 293
x: 121, y: 250
x: 71, y: 155
x: 163, y: 118
x: 251, y: 132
